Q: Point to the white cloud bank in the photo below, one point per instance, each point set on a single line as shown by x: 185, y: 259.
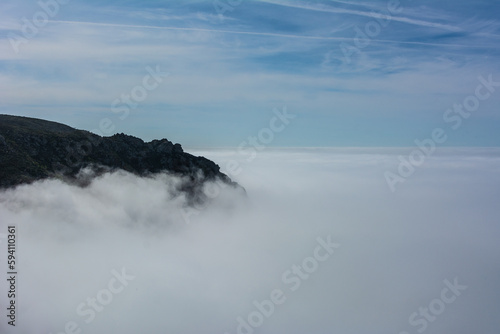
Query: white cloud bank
x: 125, y: 243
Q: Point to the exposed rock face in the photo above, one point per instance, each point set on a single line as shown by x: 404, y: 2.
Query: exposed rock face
x: 33, y: 149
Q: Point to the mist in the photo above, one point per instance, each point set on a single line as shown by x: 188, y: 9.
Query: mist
x: 319, y: 244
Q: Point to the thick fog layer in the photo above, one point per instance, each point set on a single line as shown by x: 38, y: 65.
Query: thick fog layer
x: 326, y: 241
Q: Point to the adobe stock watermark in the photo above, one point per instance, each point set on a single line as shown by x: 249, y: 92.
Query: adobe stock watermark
x: 363, y: 36
x: 31, y: 28
x: 293, y: 279
x: 454, y: 117
x: 427, y: 314
x: 96, y: 304
x: 223, y: 6
x: 131, y: 100
x: 265, y: 136
x: 248, y: 148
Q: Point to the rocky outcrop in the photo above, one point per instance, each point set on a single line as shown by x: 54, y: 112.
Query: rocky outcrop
x: 33, y: 149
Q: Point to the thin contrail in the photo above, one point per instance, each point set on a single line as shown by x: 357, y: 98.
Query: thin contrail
x: 207, y: 30
x: 350, y: 39
x: 368, y: 14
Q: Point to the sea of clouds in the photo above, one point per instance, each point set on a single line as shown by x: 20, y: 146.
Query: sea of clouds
x: 320, y: 244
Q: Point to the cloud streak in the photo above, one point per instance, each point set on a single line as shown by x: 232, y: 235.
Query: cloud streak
x: 326, y: 38
x: 206, y: 30
x: 329, y: 9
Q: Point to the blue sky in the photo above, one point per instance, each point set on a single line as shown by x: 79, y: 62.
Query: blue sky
x: 354, y: 73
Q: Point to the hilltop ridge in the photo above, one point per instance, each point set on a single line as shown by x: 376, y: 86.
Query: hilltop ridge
x: 33, y: 149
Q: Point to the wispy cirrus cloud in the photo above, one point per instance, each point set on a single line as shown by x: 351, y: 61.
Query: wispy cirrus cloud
x: 264, y: 53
